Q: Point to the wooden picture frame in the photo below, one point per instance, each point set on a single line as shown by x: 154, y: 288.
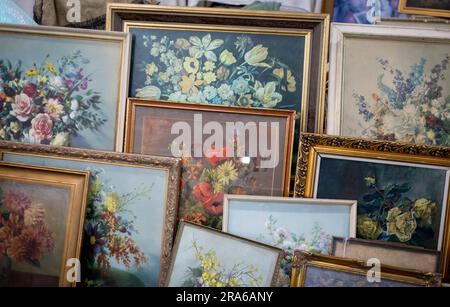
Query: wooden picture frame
x: 152, y: 178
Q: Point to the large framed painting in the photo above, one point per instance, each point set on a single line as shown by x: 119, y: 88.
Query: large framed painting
x: 388, y: 253
x: 289, y: 223
x: 228, y: 56
x: 41, y: 223
x: 395, y: 202
x: 131, y: 211
x: 204, y: 257
x: 225, y: 150
x: 436, y: 8
x: 398, y: 91
x: 70, y: 91
x: 314, y: 270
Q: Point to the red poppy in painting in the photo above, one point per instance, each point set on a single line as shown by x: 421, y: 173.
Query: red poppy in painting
x: 212, y: 203
x: 218, y: 154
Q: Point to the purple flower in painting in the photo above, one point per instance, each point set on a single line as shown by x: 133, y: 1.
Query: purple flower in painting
x: 79, y: 74
x: 84, y: 85
x: 69, y: 84
x: 95, y: 238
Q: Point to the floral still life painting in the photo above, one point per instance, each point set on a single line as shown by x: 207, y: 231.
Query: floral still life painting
x: 124, y: 222
x: 204, y: 257
x: 288, y: 224
x: 30, y: 236
x: 413, y: 108
x: 48, y: 102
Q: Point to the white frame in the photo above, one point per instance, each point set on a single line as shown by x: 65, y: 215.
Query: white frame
x: 353, y: 204
x: 69, y: 33
x: 340, y: 31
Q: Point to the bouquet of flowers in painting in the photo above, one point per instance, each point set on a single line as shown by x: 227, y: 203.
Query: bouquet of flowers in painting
x: 210, y: 273
x: 24, y: 235
x: 47, y: 103
x: 108, y: 235
x: 215, y: 71
x: 386, y: 213
x: 206, y: 180
x: 318, y: 242
x: 413, y: 110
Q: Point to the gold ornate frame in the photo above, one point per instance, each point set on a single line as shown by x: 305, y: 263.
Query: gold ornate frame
x: 119, y: 14
x: 302, y: 261
x: 123, y: 70
x: 170, y: 165
x: 183, y: 224
x: 288, y: 115
x: 75, y: 181
x: 404, y: 8
x: 313, y: 145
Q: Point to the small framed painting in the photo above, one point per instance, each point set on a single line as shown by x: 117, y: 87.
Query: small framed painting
x: 204, y: 257
x: 131, y: 211
x: 228, y: 56
x: 314, y: 270
x: 41, y: 224
x: 225, y: 150
x: 389, y: 253
x: 289, y: 223
x: 436, y: 8
x: 70, y: 91
x: 395, y: 204
x: 398, y: 91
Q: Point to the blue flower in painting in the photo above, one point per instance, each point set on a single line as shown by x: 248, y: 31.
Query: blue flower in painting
x: 95, y: 237
x: 210, y: 92
x: 240, y: 86
x: 363, y: 108
x: 217, y: 100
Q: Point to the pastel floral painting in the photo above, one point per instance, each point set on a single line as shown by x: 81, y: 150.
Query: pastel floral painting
x: 394, y: 202
x: 124, y: 221
x: 32, y: 228
x: 66, y: 92
x: 208, y: 258
x: 288, y: 226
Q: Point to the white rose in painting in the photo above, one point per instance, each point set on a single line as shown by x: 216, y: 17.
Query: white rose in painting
x: 57, y: 83
x: 403, y: 122
x: 74, y: 105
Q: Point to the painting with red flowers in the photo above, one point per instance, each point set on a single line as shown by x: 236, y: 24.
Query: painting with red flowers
x: 31, y: 232
x: 218, y: 158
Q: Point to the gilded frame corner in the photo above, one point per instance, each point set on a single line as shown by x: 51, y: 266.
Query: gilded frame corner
x: 404, y: 8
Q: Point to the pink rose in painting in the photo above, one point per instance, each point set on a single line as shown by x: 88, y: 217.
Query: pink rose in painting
x: 22, y: 107
x: 42, y: 127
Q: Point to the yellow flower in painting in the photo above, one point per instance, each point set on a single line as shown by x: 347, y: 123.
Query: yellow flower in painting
x: 14, y: 127
x: 267, y: 94
x: 223, y: 73
x: 234, y: 282
x: 227, y: 58
x: 188, y: 83
x: 2, y: 134
x: 32, y: 72
x: 370, y: 181
x: 227, y: 172
x: 431, y: 135
x: 424, y: 210
x: 256, y: 56
x: 292, y: 84
x: 368, y: 228
x: 42, y: 79
x: 53, y: 108
x: 92, y: 240
x: 191, y: 65
x: 150, y: 69
x: 205, y: 276
x: 51, y: 68
x: 209, y: 77
x: 209, y: 66
x: 61, y: 139
x: 402, y: 225
x: 279, y: 72
x: 219, y: 284
x: 112, y: 202
x: 245, y: 100
x: 182, y: 43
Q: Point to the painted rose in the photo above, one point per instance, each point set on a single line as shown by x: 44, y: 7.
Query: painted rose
x: 212, y: 203
x: 402, y: 225
x: 30, y: 90
x: 368, y: 228
x: 53, y: 108
x: 256, y: 56
x: 424, y: 210
x: 22, y: 108
x: 42, y: 127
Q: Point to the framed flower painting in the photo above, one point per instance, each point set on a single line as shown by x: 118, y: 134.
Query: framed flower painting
x: 204, y: 257
x: 398, y: 91
x: 314, y: 270
x: 289, y: 223
x: 224, y: 150
x: 131, y: 211
x: 436, y: 8
x: 395, y: 203
x: 41, y: 222
x: 70, y: 91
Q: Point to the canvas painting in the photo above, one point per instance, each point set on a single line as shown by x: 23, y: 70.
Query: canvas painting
x: 67, y: 92
x: 365, y: 11
x: 123, y: 232
x: 399, y: 94
x: 395, y: 203
x: 209, y: 258
x: 290, y: 224
x: 232, y: 164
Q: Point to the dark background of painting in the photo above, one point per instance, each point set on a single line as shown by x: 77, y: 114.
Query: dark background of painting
x: 344, y: 179
x: 429, y: 4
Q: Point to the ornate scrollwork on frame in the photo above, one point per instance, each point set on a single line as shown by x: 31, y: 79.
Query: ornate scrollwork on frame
x: 308, y: 143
